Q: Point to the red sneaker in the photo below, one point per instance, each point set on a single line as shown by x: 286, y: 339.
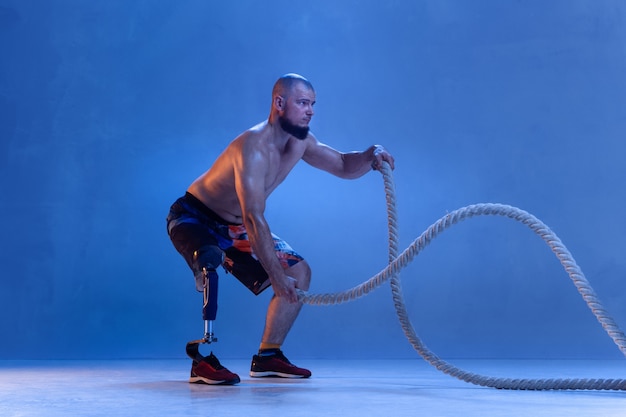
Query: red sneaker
x: 276, y: 365
x: 210, y: 371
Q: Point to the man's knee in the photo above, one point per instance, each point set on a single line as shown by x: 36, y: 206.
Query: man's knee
x: 208, y: 257
x: 302, y: 273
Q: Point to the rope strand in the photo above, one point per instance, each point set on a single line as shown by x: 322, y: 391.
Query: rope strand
x: 397, y: 262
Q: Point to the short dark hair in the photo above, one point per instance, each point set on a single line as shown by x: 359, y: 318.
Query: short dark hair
x: 285, y: 83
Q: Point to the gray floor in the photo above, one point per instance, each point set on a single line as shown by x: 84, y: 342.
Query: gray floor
x: 387, y: 388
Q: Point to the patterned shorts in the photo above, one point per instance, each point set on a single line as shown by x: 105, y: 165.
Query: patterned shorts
x: 192, y: 226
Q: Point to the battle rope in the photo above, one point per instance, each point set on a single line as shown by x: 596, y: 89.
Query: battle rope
x: 396, y: 263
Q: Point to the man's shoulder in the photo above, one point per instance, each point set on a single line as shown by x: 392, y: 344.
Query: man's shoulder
x: 247, y: 136
x: 250, y: 143
x: 259, y: 128
x: 253, y: 134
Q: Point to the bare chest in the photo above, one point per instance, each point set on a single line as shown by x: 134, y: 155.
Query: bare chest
x: 281, y: 162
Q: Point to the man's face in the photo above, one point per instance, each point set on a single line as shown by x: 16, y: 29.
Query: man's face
x: 298, y: 111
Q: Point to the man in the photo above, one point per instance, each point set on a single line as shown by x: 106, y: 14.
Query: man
x: 220, y: 220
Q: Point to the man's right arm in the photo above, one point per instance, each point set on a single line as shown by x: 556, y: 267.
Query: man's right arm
x: 250, y: 169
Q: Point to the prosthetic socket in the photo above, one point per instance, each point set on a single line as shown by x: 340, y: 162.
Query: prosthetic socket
x: 205, y: 263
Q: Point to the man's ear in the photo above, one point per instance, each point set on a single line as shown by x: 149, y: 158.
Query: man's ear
x: 279, y: 103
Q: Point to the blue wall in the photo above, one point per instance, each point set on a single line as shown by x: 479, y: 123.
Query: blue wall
x: 108, y: 110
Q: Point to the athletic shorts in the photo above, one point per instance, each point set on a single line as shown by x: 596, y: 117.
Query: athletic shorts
x: 192, y: 226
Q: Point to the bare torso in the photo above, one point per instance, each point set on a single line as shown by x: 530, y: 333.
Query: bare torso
x: 238, y: 184
x: 217, y: 189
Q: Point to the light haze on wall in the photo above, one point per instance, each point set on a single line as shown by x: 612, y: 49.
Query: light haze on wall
x: 108, y: 110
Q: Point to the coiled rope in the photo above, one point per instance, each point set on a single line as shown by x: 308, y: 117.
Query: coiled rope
x: 397, y: 262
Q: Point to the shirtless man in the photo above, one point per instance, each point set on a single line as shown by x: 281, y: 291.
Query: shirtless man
x: 220, y: 220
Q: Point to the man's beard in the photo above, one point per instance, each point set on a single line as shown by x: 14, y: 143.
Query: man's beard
x: 297, y: 131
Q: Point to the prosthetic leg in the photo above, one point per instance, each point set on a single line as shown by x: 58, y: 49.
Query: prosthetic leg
x: 208, y: 369
x: 209, y: 312
x: 205, y: 262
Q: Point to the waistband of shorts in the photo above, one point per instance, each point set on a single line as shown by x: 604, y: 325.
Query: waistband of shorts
x: 193, y: 201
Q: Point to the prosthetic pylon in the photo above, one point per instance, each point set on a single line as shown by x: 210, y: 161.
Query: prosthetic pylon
x: 209, y: 312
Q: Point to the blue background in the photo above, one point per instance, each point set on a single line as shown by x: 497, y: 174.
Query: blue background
x: 109, y: 109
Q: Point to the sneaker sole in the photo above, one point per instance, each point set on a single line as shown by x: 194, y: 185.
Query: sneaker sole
x: 206, y: 381
x: 265, y: 374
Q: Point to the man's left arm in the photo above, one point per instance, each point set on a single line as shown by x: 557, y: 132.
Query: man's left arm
x: 347, y: 165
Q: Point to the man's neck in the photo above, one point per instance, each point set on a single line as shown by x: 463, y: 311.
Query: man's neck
x: 277, y: 135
